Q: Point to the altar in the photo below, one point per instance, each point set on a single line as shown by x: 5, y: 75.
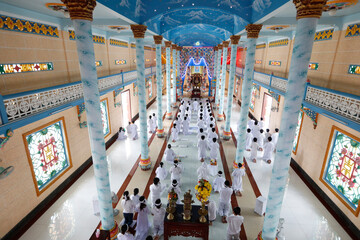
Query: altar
x: 196, y: 80
x: 191, y: 228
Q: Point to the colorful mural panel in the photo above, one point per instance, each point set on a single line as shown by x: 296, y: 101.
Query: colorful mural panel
x: 275, y: 63
x: 48, y: 153
x: 313, y: 66
x: 324, y: 35
x: 120, y: 62
x: 353, y: 30
x: 353, y: 69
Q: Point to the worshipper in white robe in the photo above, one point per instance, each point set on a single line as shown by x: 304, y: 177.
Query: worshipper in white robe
x: 261, y: 123
x: 250, y: 123
x: 125, y: 234
x: 156, y: 189
x: 201, y: 133
x: 218, y: 182
x: 211, y: 210
x: 161, y: 172
x: 175, y: 186
x: 188, y: 111
x: 275, y: 137
x: 237, y: 175
x: 201, y: 123
x: 185, y: 124
x: 260, y: 139
x: 212, y: 134
x: 249, y: 138
x: 267, y: 135
x: 176, y: 172
x: 202, y: 148
x: 182, y: 107
x: 256, y: 129
x: 151, y: 125
x: 142, y: 226
x: 268, y: 150
x: 174, y: 133
x: 195, y: 105
x: 214, y: 149
x: 234, y: 224
x: 121, y: 134
x: 203, y: 172
x: 169, y: 154
x: 135, y: 197
x: 128, y: 129
x: 158, y: 213
x: 154, y: 119
x: 133, y: 131
x: 128, y: 208
x: 210, y: 127
x: 254, y: 149
x: 224, y: 201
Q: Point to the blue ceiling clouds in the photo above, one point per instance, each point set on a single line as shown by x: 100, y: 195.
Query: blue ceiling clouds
x: 185, y: 22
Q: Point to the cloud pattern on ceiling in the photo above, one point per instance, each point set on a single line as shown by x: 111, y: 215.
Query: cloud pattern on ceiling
x: 167, y: 16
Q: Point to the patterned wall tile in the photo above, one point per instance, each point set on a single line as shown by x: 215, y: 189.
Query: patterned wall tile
x: 259, y: 46
x: 353, y: 30
x: 96, y: 38
x: 118, y: 43
x: 278, y: 43
x: 25, y: 26
x: 324, y: 35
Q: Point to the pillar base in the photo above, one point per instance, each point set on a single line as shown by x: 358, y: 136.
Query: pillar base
x: 220, y: 117
x: 226, y: 135
x: 114, y: 231
x: 145, y: 164
x: 160, y: 133
x: 259, y: 237
x: 169, y: 115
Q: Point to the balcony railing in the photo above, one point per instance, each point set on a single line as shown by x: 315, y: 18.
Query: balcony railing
x: 20, y: 105
x: 339, y: 106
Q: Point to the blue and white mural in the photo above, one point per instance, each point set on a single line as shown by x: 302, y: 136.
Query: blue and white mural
x: 226, y: 17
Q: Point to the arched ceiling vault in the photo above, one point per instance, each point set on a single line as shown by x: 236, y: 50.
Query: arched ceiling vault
x: 188, y: 21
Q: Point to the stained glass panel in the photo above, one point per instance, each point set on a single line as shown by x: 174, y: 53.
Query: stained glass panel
x: 297, y: 132
x: 342, y: 168
x: 105, y: 117
x: 253, y: 96
x: 48, y: 154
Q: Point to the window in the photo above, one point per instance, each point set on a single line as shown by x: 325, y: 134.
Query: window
x: 105, y: 117
x: 48, y: 153
x: 341, y: 166
x: 297, y: 132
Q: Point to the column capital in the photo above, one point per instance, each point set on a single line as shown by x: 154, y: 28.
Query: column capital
x: 179, y: 48
x: 225, y: 44
x: 167, y: 44
x: 174, y: 46
x: 80, y: 9
x: 220, y: 46
x: 216, y: 48
x: 138, y: 30
x: 158, y: 39
x: 253, y: 30
x: 235, y: 39
x: 309, y: 8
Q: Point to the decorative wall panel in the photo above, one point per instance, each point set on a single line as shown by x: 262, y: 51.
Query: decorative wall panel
x: 279, y: 43
x: 324, y: 35
x: 25, y: 67
x: 353, y: 30
x: 118, y: 43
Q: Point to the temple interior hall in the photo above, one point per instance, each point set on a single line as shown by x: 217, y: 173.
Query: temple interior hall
x: 231, y: 119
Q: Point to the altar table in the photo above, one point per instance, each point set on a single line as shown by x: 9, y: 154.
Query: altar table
x: 180, y: 227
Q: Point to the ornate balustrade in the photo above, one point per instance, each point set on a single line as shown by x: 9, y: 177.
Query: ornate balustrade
x: 339, y: 106
x: 22, y: 105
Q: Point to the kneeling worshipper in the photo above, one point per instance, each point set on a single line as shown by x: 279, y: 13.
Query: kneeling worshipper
x: 202, y: 171
x: 142, y: 226
x: 219, y: 181
x: 156, y: 189
x: 201, y: 132
x: 237, y: 175
x: 125, y: 234
x: 174, y: 133
x: 158, y: 213
x: 161, y: 172
x: 212, y: 134
x: 170, y: 154
x: 175, y: 172
x: 133, y: 131
x: 268, y: 150
x: 128, y: 129
x: 121, y: 134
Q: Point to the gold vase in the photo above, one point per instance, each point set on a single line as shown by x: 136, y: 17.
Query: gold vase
x: 202, y: 212
x: 171, y: 209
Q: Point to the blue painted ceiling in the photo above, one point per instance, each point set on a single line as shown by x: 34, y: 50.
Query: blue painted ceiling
x: 185, y: 22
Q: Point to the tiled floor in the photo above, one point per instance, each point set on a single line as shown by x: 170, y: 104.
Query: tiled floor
x: 71, y: 216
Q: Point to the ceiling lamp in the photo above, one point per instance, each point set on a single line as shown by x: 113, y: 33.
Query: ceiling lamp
x: 333, y: 5
x: 277, y: 28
